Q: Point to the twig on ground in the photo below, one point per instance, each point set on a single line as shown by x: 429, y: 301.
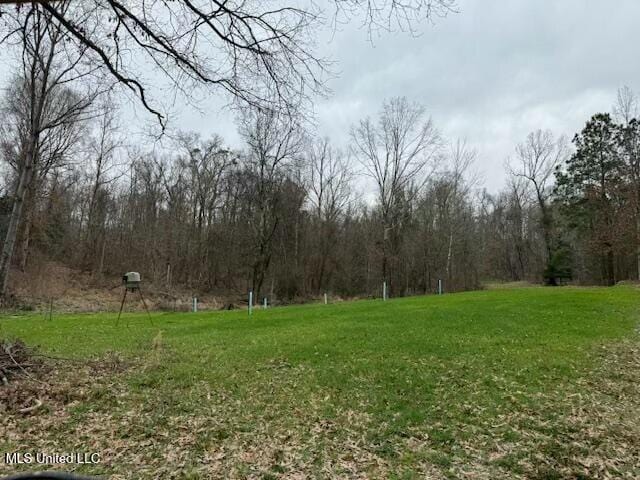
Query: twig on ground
x: 8, y: 351
x: 35, y: 406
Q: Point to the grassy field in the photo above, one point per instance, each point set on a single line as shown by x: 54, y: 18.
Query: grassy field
x: 514, y: 383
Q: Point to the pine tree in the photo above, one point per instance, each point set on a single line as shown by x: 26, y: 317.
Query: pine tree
x: 590, y: 189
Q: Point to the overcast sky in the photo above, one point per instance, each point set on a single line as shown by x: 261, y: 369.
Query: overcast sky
x: 491, y: 73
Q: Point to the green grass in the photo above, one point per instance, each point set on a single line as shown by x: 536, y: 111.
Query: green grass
x: 444, y: 370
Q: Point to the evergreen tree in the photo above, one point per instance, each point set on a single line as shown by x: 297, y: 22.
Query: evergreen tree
x: 590, y: 189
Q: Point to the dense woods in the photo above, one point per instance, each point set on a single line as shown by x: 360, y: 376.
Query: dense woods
x: 290, y: 215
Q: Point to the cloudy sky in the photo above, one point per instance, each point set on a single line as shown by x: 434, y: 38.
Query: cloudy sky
x: 490, y: 74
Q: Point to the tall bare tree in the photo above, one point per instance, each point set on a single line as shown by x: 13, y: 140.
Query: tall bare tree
x: 626, y: 106
x: 536, y: 161
x: 103, y: 169
x: 461, y: 159
x: 275, y: 143
x: 205, y: 164
x: 630, y: 139
x: 396, y: 152
x: 329, y: 182
x: 626, y: 111
x: 41, y: 113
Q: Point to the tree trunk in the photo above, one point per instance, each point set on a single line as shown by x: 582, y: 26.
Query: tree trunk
x: 90, y: 240
x: 546, y: 226
x: 611, y: 278
x: 323, y: 261
x: 101, y: 264
x: 26, y: 176
x: 638, y: 233
x: 259, y: 269
x: 385, y: 255
x: 24, y: 247
x: 23, y: 237
x: 449, y: 254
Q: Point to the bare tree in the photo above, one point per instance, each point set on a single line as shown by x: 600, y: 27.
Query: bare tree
x: 461, y: 158
x: 396, y: 153
x: 393, y: 15
x: 631, y: 156
x: 103, y: 170
x: 41, y: 113
x: 626, y: 111
x: 329, y: 182
x: 275, y: 142
x: 536, y: 161
x: 626, y: 107
x: 205, y: 164
x: 257, y: 52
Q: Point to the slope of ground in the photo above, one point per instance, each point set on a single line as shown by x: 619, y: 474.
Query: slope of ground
x: 47, y: 285
x: 518, y: 383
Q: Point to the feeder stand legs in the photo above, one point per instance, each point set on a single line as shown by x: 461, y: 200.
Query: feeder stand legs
x: 124, y: 297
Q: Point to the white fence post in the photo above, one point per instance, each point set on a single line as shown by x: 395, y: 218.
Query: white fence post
x: 194, y: 304
x: 326, y: 300
x: 439, y: 287
x: 250, y: 302
x: 384, y: 291
x: 264, y: 303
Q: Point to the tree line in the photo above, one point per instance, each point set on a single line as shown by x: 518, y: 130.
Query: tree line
x: 289, y: 215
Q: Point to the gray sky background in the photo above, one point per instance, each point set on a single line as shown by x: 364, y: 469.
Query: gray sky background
x: 491, y: 73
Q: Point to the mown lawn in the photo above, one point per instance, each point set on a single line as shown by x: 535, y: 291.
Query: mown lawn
x: 491, y: 384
